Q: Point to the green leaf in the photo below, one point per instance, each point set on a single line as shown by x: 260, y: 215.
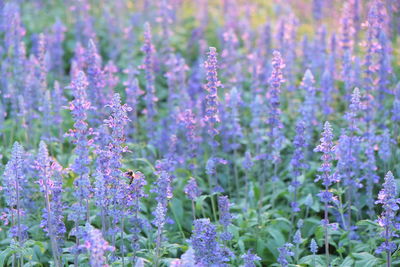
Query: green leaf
x: 348, y: 261
x: 4, y: 256
x: 364, y: 259
x: 309, y: 260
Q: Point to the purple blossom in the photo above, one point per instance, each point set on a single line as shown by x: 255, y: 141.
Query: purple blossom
x: 385, y: 147
x: 285, y: 252
x: 211, y: 99
x: 84, y: 28
x: 163, y: 189
x: 58, y: 101
x: 192, y: 190
x: 274, y: 120
x: 327, y: 148
x: 396, y: 104
x: 327, y: 82
x: 309, y: 106
x: 258, y: 110
x: 188, y: 120
x: 50, y: 181
x: 313, y: 246
x: 14, y: 180
x: 95, y: 77
x: 249, y: 259
x: 80, y: 136
x: 134, y: 194
x: 96, y: 246
x: 327, y: 176
x: 297, y: 237
x: 150, y: 97
x: 248, y: 161
x: 230, y: 128
x: 207, y: 251
x: 56, y: 51
x: 317, y: 6
x: 297, y: 161
x: 388, y: 199
x: 384, y: 66
x: 133, y: 92
x: 225, y: 217
x: 110, y: 159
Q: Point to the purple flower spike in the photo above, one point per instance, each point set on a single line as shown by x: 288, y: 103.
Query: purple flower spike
x: 192, y: 190
x: 388, y: 199
x: 96, y: 246
x: 211, y: 99
x: 276, y: 79
x: 249, y: 259
x: 284, y: 253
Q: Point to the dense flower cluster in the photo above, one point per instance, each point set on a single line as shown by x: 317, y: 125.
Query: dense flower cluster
x: 388, y: 199
x: 142, y: 183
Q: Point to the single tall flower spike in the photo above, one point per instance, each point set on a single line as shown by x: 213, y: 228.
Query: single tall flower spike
x: 80, y: 136
x: 14, y: 181
x: 150, y: 97
x: 192, y: 190
x: 388, y: 199
x: 225, y: 217
x: 211, y: 99
x: 275, y: 125
x: 327, y: 176
x: 50, y: 182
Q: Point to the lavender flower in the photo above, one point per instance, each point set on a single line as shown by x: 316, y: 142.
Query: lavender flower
x: 133, y: 92
x: 225, y: 217
x: 384, y: 69
x: 249, y: 259
x: 14, y: 180
x: 371, y: 45
x: 313, y: 246
x: 396, y: 105
x: 192, y: 190
x: 328, y: 178
x: 385, y: 148
x: 274, y: 121
x: 231, y: 128
x: 80, y: 136
x: 58, y: 101
x: 188, y: 120
x: 317, y: 9
x: 50, y: 182
x: 284, y: 253
x: 388, y: 199
x: 313, y: 249
x: 207, y: 251
x: 211, y: 99
x: 308, y: 108
x: 327, y: 87
x: 84, y: 28
x: 96, y: 79
x: 134, y: 194
x: 150, y: 98
x: 297, y: 161
x: 111, y: 163
x: 297, y: 237
x: 56, y: 50
x: 327, y: 148
x: 96, y: 246
x: 162, y: 187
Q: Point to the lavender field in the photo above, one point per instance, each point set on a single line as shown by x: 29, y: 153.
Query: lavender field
x: 199, y: 133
